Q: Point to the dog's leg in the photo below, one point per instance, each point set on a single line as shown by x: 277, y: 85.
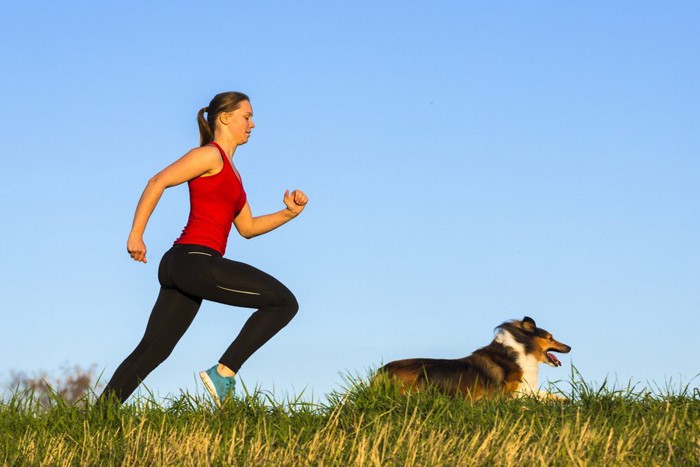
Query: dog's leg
x: 526, y: 391
x: 550, y: 396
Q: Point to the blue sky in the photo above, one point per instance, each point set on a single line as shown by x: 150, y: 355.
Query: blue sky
x: 466, y: 162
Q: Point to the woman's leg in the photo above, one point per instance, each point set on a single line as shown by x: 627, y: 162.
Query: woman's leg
x: 188, y: 274
x: 238, y: 284
x: 171, y: 316
x: 276, y: 306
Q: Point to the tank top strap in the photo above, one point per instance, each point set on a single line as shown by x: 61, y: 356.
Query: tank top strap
x: 221, y: 150
x: 227, y: 162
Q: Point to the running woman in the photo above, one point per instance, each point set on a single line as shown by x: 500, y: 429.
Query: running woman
x: 194, y: 268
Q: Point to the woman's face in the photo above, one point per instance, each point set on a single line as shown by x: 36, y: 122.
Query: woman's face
x: 239, y: 122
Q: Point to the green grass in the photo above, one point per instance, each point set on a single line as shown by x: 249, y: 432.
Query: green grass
x: 362, y: 425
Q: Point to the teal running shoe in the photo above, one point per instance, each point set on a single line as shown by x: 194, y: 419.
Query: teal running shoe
x: 220, y: 387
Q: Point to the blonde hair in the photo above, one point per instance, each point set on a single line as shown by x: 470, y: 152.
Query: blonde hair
x: 224, y: 102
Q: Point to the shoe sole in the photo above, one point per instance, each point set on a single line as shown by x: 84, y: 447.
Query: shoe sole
x: 211, y: 389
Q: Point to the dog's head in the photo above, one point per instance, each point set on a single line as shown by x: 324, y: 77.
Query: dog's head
x: 536, y: 341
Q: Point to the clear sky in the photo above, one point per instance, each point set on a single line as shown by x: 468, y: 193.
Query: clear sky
x: 467, y: 162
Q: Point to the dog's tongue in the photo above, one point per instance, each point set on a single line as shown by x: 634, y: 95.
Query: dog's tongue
x: 553, y: 359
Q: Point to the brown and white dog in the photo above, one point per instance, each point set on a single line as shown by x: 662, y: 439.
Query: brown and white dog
x: 508, y: 365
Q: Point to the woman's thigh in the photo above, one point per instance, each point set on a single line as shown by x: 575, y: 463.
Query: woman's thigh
x: 222, y: 280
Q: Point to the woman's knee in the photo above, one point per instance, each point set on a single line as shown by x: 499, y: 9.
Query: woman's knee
x: 289, y: 304
x: 152, y: 353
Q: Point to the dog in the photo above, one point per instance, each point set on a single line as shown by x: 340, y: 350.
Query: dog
x: 507, y: 366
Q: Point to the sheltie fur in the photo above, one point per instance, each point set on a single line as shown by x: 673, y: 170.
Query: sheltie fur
x: 508, y: 365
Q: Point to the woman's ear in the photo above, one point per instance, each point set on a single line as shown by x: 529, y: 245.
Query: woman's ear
x: 225, y: 118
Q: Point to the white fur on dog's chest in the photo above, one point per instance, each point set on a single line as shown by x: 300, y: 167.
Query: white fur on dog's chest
x: 528, y: 363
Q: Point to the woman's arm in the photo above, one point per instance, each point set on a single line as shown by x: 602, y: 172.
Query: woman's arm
x: 197, y: 162
x: 249, y: 226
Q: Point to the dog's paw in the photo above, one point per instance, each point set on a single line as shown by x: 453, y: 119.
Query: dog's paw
x: 552, y: 397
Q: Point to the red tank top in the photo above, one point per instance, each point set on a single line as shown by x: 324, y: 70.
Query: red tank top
x: 214, y: 202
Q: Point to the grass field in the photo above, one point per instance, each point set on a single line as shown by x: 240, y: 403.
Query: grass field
x: 362, y: 425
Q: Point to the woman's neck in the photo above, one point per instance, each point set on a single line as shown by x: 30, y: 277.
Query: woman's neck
x: 227, y: 145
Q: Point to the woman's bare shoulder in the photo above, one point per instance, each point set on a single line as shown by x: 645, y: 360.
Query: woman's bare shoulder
x: 204, y: 151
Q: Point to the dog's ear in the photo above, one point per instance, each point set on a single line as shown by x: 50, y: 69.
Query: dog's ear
x: 529, y: 324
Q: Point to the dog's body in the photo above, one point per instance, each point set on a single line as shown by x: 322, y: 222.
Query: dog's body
x: 508, y: 365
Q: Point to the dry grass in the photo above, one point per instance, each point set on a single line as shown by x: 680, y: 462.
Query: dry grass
x: 362, y: 426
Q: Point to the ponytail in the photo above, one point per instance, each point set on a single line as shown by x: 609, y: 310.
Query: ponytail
x: 224, y: 102
x: 206, y: 136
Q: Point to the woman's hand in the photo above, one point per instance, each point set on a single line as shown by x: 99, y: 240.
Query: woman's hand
x: 249, y: 226
x: 136, y: 247
x: 295, y: 201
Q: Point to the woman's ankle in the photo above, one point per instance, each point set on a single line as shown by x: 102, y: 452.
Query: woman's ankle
x: 225, y: 371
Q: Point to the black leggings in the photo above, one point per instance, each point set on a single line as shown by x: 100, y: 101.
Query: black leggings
x: 188, y: 274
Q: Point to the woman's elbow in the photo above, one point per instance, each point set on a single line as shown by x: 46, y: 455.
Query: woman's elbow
x: 156, y: 182
x: 246, y: 235
x: 245, y: 232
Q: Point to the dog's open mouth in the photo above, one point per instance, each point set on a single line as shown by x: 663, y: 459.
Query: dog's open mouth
x: 554, y: 361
